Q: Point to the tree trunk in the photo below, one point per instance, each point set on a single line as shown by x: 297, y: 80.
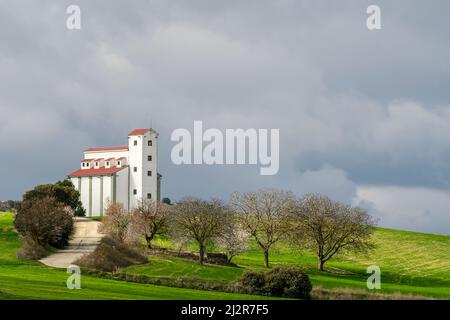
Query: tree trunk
x: 266, y: 258
x: 201, y: 254
x: 149, y: 241
x: 320, y: 264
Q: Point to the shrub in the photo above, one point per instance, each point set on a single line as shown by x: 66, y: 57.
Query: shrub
x: 116, y: 222
x: 63, y: 191
x: 110, y: 255
x: 251, y: 282
x: 43, y: 222
x: 166, y: 201
x: 279, y: 282
x: 31, y: 250
x: 287, y: 282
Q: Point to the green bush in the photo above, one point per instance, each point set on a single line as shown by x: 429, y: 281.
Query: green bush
x: 63, y: 191
x: 44, y: 221
x: 287, y: 282
x: 279, y: 282
x: 251, y: 282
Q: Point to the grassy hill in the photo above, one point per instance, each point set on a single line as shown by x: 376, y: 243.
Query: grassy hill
x: 411, y: 263
x: 31, y: 280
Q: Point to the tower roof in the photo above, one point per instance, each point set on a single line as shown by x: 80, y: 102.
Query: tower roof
x: 138, y: 132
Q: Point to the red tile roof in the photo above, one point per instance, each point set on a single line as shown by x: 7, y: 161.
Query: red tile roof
x: 138, y: 132
x: 115, y: 148
x: 94, y: 172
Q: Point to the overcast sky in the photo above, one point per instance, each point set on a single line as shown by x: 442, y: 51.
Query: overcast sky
x: 364, y: 116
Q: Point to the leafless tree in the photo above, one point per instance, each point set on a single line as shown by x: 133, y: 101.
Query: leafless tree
x: 264, y: 215
x: 116, y: 221
x: 233, y: 241
x: 199, y: 220
x: 329, y: 227
x: 149, y: 219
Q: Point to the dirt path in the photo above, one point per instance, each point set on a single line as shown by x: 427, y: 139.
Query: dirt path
x: 84, y: 240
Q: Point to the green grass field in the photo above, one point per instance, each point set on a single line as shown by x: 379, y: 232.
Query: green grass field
x: 411, y: 263
x: 31, y: 280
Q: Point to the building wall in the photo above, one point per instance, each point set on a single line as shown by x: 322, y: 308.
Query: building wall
x: 122, y: 187
x: 150, y: 184
x: 105, y: 155
x: 84, y: 196
x: 99, y: 203
x: 96, y: 196
x: 138, y: 158
x: 106, y: 192
x: 135, y: 160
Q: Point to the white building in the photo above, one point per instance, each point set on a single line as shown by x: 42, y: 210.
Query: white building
x: 121, y: 174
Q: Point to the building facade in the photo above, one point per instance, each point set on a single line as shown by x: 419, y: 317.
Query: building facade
x: 121, y: 174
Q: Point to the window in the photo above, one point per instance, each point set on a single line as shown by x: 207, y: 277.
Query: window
x: 150, y: 143
x: 149, y: 195
x: 135, y: 142
x: 96, y: 164
x: 135, y: 169
x: 149, y: 158
x: 135, y: 191
x: 149, y: 173
x: 118, y: 163
x: 107, y: 163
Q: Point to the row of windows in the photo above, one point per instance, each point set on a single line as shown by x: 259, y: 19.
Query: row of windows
x: 149, y: 195
x: 149, y: 143
x: 86, y: 164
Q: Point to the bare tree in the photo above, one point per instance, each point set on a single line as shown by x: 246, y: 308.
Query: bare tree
x: 233, y: 241
x: 116, y: 221
x: 264, y: 215
x: 329, y: 227
x: 201, y: 221
x: 149, y: 219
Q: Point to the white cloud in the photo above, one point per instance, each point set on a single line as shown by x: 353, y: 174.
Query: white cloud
x: 112, y: 61
x: 416, y: 209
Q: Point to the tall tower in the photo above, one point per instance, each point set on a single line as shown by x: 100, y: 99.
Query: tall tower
x: 143, y: 164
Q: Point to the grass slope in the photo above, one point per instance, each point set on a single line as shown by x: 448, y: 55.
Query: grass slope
x: 31, y: 280
x: 411, y: 263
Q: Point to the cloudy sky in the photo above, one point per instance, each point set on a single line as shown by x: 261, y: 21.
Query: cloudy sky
x: 364, y: 116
